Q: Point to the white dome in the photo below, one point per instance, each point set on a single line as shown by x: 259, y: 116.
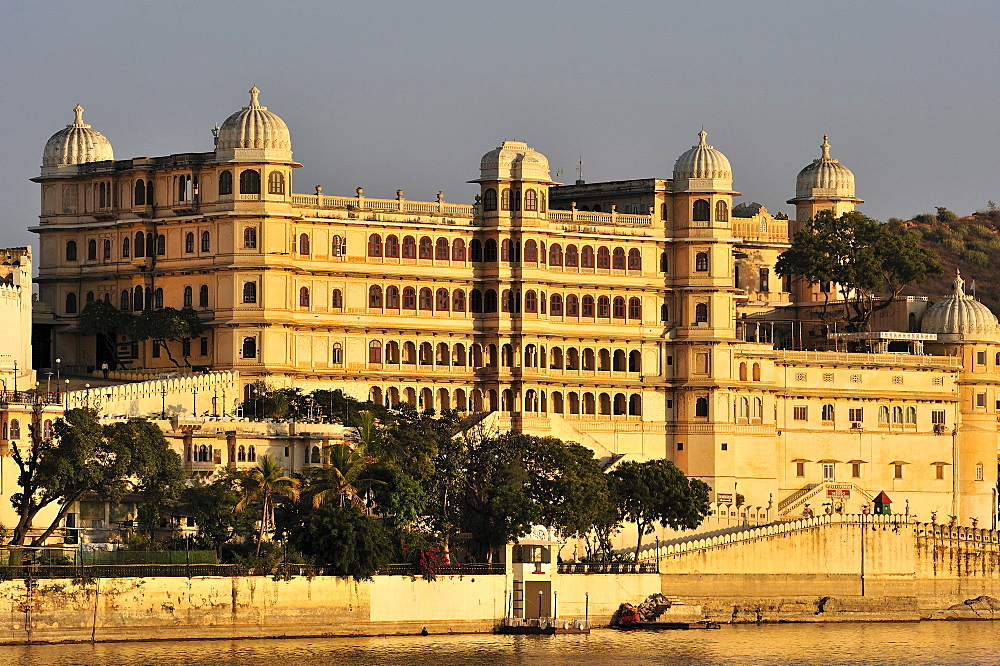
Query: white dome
x: 76, y: 144
x: 254, y: 127
x: 825, y: 178
x: 514, y: 160
x: 961, y: 315
x: 703, y: 169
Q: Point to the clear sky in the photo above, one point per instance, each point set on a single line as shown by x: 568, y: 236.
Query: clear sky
x: 409, y: 95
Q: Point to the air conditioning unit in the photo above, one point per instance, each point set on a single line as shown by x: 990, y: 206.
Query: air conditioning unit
x: 939, y: 428
x: 856, y: 426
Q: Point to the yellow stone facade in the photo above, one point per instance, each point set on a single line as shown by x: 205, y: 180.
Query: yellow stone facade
x: 641, y: 318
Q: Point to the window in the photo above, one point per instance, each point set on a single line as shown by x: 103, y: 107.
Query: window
x: 700, y: 211
x: 250, y: 181
x: 980, y: 400
x: 979, y: 471
x: 249, y: 347
x: 189, y: 242
x: 897, y: 471
x: 425, y: 299
x: 70, y: 250
x: 249, y: 292
x: 856, y: 414
x: 530, y: 200
x: 375, y: 351
x: 475, y: 301
x: 490, y: 301
x: 441, y: 300
x: 70, y: 303
x: 409, y: 247
x: 939, y: 472
x: 92, y: 250
x: 530, y: 301
x: 634, y: 260
x: 937, y: 416
x: 391, y: 246
x: 206, y: 241
x: 664, y: 262
x: 587, y: 257
x: 530, y: 251
x: 827, y: 413
x: 441, y: 249
x: 158, y: 298
x: 764, y: 278
x: 458, y: 300
x: 337, y: 357
x: 701, y: 407
x: 140, y: 244
x: 304, y: 244
x: 800, y: 413
x: 883, y: 415
x: 634, y: 308
x: 140, y: 193
x: 555, y: 255
x: 911, y: 416
x: 409, y: 298
x: 126, y: 246
x: 572, y: 256
x: 374, y: 296
x: 603, y: 307
x: 603, y: 257
x: 588, y: 306
x: 425, y: 248
x: 618, y: 259
x: 980, y: 358
x: 800, y: 469
x: 490, y: 200
x: 304, y: 297
x: 138, y: 299
x: 203, y: 347
x: 126, y: 300
x: 186, y: 347
x: 701, y: 262
x: 829, y: 472
x: 680, y: 446
x: 161, y: 245
x: 618, y: 309
x: 701, y: 313
x: 15, y: 429
x: 572, y: 305
x: 188, y: 296
x: 721, y: 211
x: 225, y: 183
x: 337, y: 298
x: 276, y: 183
x: 250, y: 237
x: 855, y: 470
x: 505, y: 199
x: 107, y: 250
x: 555, y: 305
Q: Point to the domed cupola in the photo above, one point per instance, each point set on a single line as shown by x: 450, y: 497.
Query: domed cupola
x: 75, y: 144
x: 961, y: 318
x: 703, y: 169
x: 256, y: 132
x: 514, y: 160
x: 825, y: 178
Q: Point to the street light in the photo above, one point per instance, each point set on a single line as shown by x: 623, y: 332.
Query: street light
x: 194, y: 401
x: 163, y: 402
x: 66, y: 394
x: 58, y: 362
x: 87, y: 386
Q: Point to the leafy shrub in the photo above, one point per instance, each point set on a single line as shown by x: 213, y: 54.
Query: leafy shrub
x: 976, y: 258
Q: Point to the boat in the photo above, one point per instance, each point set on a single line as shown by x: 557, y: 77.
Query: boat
x: 542, y: 627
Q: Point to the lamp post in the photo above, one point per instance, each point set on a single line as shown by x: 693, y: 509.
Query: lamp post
x: 48, y: 382
x: 539, y: 604
x: 163, y: 402
x: 58, y: 364
x: 66, y: 394
x: 194, y: 401
x: 87, y: 399
x: 223, y: 403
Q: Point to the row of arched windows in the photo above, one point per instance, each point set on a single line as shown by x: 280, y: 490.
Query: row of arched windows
x: 189, y: 242
x: 302, y: 245
x: 250, y: 182
x: 144, y: 244
x: 701, y: 211
x: 511, y: 200
x: 139, y: 299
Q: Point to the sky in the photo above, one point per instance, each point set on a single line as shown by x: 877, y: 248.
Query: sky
x: 409, y: 95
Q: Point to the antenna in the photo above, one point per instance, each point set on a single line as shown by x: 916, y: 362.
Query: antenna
x: 579, y: 172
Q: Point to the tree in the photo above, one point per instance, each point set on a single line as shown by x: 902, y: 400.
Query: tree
x: 343, y: 538
x: 398, y: 498
x: 213, y: 508
x: 568, y: 484
x: 872, y: 262
x: 85, y: 458
x: 656, y: 491
x: 262, y: 484
x: 341, y: 479
x: 99, y: 317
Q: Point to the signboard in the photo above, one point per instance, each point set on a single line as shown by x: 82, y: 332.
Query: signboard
x: 838, y: 493
x: 724, y: 498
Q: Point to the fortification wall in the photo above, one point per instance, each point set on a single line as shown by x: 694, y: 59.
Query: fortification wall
x: 186, y: 395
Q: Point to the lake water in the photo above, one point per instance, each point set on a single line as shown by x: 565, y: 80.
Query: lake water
x: 883, y: 644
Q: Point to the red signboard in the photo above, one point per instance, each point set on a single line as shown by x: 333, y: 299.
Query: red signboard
x: 838, y: 493
x: 724, y: 498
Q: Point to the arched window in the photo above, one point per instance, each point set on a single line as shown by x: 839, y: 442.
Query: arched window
x: 140, y: 244
x: 15, y: 429
x: 441, y: 300
x: 489, y: 200
x: 587, y: 257
x: 189, y: 242
x: 304, y: 244
x: 618, y: 259
x: 476, y: 301
x: 555, y: 305
x: 276, y: 183
x: 664, y: 262
x: 241, y: 454
x: 138, y: 299
x: 425, y: 248
x: 664, y: 312
x: 92, y: 250
x: 161, y: 245
x: 897, y: 414
x: 315, y: 457
x: 476, y: 250
x: 911, y: 416
x: 71, y: 250
x: 106, y: 250
x: 225, y: 183
x: 409, y: 247
x: 883, y: 415
x: 530, y: 301
x: 304, y: 297
x: 634, y: 308
x: 721, y: 211
x: 71, y: 303
x: 126, y: 247
x: 515, y: 197
x: 755, y: 370
x: 249, y: 347
x: 149, y: 193
x: 505, y: 199
x: 337, y: 355
x: 375, y: 351
x: 47, y: 429
x: 619, y: 307
x: 458, y: 300
x: 701, y: 262
x: 701, y: 211
x: 530, y: 251
x: 391, y: 246
x: 490, y: 301
x: 827, y: 413
x: 604, y: 307
x: 391, y: 298
x: 206, y: 241
x: 458, y: 250
x: 490, y: 251
x: 374, y: 245
x: 203, y: 296
x: 249, y: 292
x: 505, y: 254
x: 572, y: 256
x: 251, y: 453
x: 701, y: 313
x: 425, y: 299
x: 126, y: 300
x: 409, y: 298
x: 441, y: 249
x: 530, y: 200
x: 588, y: 306
x: 150, y: 244
x: 250, y: 181
x: 555, y: 255
x: 250, y: 237
x: 634, y: 260
x: 374, y: 296
x: 701, y: 407
x: 603, y: 257
x: 140, y: 192
x: 572, y: 305
x: 188, y: 296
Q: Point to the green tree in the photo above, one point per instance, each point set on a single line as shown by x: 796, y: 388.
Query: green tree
x: 398, y: 498
x: 213, y: 508
x: 262, y: 484
x: 872, y: 262
x: 342, y: 538
x: 342, y: 478
x: 567, y: 483
x: 657, y: 492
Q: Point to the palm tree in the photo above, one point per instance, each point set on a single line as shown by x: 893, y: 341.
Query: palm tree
x: 263, y: 483
x: 342, y: 478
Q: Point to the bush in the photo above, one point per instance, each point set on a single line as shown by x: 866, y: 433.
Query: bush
x: 953, y: 245
x: 344, y: 539
x: 976, y: 258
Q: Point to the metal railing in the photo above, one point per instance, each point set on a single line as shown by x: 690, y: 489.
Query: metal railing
x: 480, y: 569
x: 31, y: 397
x: 607, y: 568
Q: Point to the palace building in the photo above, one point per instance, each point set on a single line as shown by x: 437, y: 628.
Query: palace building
x: 642, y: 317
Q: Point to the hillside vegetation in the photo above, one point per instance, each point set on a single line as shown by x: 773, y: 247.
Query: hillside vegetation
x: 970, y: 244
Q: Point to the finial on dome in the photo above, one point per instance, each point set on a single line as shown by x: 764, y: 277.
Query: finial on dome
x: 701, y: 137
x: 959, y: 284
x: 78, y: 113
x: 254, y: 92
x: 826, y: 147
